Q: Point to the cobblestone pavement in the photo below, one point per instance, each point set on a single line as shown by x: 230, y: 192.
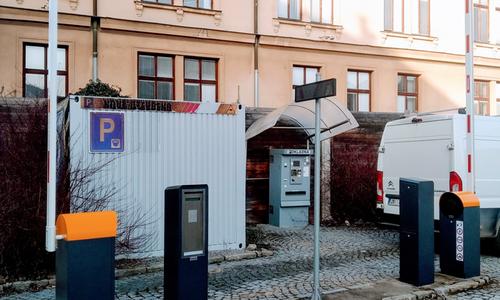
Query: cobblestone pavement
x: 490, y: 266
x: 349, y: 255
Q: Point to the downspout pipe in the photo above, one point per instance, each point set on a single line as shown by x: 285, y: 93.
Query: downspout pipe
x: 95, y: 28
x: 256, y: 52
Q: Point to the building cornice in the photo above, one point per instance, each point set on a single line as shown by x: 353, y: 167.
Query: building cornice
x: 41, y: 16
x: 174, y: 30
x: 289, y: 42
x: 367, y: 50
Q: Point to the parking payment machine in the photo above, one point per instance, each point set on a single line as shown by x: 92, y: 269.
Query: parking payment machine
x: 460, y: 234
x: 289, y: 186
x: 186, y: 242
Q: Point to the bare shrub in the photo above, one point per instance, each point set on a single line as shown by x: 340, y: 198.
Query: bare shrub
x: 23, y: 172
x: 88, y: 194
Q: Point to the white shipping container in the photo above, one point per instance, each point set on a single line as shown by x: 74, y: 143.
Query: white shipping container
x: 166, y: 144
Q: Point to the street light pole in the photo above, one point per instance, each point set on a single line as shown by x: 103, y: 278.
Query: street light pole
x: 50, y: 229
x: 317, y: 91
x: 316, y: 294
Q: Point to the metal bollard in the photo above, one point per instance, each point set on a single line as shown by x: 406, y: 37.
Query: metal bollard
x: 417, y: 231
x: 85, y: 257
x: 460, y: 234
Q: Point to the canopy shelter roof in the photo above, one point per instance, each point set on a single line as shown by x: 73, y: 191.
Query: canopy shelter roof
x: 335, y: 119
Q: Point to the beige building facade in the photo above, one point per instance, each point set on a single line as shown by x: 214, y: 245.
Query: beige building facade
x: 387, y: 55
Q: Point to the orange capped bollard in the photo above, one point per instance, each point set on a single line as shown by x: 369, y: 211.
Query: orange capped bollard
x: 85, y: 256
x: 459, y: 234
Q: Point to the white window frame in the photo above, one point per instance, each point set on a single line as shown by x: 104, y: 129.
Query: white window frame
x: 405, y: 16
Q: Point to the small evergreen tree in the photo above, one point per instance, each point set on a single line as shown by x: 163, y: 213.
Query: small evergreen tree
x: 99, y: 88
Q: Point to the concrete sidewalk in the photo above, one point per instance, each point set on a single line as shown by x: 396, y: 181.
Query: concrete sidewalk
x: 393, y: 289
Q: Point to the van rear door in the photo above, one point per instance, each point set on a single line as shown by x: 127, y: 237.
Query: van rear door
x: 418, y: 150
x: 488, y: 161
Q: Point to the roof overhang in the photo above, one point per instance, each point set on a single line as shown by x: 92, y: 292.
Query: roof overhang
x: 335, y: 119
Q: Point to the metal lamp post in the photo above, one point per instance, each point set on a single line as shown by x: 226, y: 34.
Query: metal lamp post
x: 316, y: 91
x: 50, y: 229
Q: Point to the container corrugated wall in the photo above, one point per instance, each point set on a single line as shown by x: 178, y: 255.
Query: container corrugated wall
x: 166, y: 149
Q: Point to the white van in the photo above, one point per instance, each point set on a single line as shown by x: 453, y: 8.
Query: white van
x: 433, y: 147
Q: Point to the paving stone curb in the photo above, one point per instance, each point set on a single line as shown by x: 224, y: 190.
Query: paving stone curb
x: 120, y: 273
x: 26, y: 285
x: 35, y: 285
x: 443, y: 291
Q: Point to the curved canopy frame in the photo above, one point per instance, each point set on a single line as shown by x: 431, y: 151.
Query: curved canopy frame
x: 335, y: 119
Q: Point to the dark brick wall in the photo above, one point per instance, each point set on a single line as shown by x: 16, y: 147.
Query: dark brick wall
x: 354, y: 168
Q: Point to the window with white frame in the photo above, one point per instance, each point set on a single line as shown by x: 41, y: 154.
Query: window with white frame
x: 205, y: 4
x: 388, y: 15
x: 304, y: 74
x: 482, y: 97
x: 169, y: 2
x: 358, y: 90
x: 497, y: 21
x: 407, y: 16
x: 481, y: 21
x: 322, y: 11
x: 497, y: 95
x: 290, y: 9
x: 424, y: 17
x: 316, y: 11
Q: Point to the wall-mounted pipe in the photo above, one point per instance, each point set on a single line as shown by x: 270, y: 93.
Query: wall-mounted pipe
x: 256, y: 52
x: 95, y: 29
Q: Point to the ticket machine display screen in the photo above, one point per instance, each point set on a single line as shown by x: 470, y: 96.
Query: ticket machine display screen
x: 193, y: 233
x: 296, y: 172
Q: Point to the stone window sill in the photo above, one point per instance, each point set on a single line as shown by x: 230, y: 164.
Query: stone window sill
x: 307, y: 25
x: 495, y: 47
x: 410, y: 37
x: 180, y: 10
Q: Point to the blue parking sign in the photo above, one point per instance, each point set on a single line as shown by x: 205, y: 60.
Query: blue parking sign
x: 106, y: 132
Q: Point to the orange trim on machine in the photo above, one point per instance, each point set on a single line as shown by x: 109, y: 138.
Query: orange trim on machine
x: 87, y: 225
x: 468, y: 199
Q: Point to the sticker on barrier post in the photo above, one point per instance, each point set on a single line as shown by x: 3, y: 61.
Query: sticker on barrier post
x: 106, y: 132
x: 460, y: 240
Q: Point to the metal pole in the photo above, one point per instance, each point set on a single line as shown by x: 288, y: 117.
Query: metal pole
x: 469, y: 72
x: 94, y: 49
x: 50, y: 229
x: 95, y: 53
x: 316, y: 295
x: 256, y: 52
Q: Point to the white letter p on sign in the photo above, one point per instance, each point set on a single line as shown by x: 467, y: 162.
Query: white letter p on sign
x: 103, y: 129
